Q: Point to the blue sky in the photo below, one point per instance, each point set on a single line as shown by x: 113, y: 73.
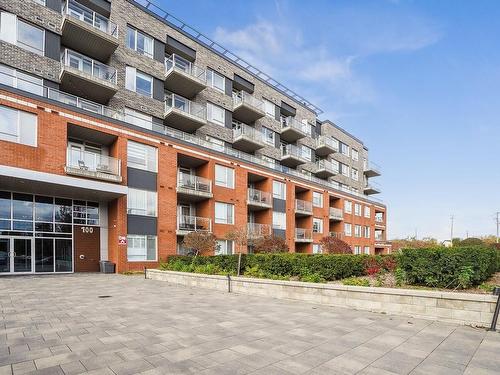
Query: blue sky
x: 418, y: 81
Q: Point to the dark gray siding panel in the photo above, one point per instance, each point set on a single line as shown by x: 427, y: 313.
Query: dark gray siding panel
x: 174, y: 46
x: 229, y: 87
x: 52, y: 45
x: 241, y: 83
x: 51, y: 84
x: 141, y: 225
x: 158, y: 89
x: 277, y: 113
x: 159, y: 51
x: 287, y: 109
x: 279, y: 233
x: 100, y: 6
x: 53, y: 4
x: 277, y: 140
x: 279, y: 205
x: 139, y: 179
x: 229, y: 119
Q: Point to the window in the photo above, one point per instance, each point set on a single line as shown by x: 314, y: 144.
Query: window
x: 367, y: 212
x: 317, y: 199
x: 15, y: 31
x: 86, y: 213
x: 138, y: 118
x: 367, y: 232
x: 367, y: 250
x: 215, y: 80
x: 306, y: 152
x: 268, y: 135
x: 279, y: 220
x: 348, y: 207
x: 224, y: 213
x: 138, y: 82
x: 347, y: 229
x: 141, y: 156
x: 354, y: 174
x: 22, y: 81
x: 357, y: 209
x: 141, y: 202
x: 279, y: 190
x: 141, y: 248
x: 224, y: 176
x: 357, y: 250
x: 216, y: 114
x: 344, y: 149
x: 317, y: 248
x: 354, y: 154
x: 269, y: 108
x: 357, y: 231
x: 18, y: 126
x: 317, y: 225
x: 344, y: 169
x: 140, y: 42
x: 224, y: 247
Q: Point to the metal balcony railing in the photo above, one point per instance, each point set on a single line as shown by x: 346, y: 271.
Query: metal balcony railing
x: 336, y: 213
x: 379, y: 236
x: 323, y: 141
x: 256, y: 230
x: 303, y: 206
x: 82, y: 13
x: 338, y: 235
x: 293, y: 123
x: 195, y: 183
x: 303, y: 234
x: 240, y: 128
x: 185, y: 105
x: 88, y: 66
x: 92, y: 162
x: 194, y: 224
x: 369, y: 165
x: 292, y: 150
x: 327, y: 165
x: 243, y: 97
x: 379, y: 219
x: 180, y: 64
x: 260, y: 197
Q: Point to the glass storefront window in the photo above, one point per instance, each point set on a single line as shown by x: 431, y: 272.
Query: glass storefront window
x: 22, y: 207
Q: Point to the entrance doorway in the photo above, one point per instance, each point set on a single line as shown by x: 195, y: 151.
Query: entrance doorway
x: 16, y: 255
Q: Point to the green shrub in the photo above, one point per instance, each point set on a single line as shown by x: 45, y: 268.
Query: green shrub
x: 313, y: 278
x: 456, y: 267
x: 356, y: 281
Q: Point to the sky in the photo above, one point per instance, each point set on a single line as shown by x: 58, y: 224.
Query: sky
x: 417, y: 81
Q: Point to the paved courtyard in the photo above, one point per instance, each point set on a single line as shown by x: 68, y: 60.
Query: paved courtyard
x: 63, y: 325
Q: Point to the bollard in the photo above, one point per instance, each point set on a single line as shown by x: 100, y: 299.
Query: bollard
x: 228, y: 283
x: 239, y: 264
x: 496, y: 292
x: 145, y: 274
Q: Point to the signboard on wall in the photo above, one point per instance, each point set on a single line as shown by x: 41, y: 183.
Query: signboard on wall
x: 122, y: 240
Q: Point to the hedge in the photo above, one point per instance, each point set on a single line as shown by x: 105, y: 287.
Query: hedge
x: 327, y: 267
x: 448, y: 267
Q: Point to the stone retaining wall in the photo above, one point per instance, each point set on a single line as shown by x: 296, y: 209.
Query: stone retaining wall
x: 462, y: 308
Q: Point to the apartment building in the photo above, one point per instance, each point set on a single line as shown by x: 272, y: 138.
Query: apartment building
x: 122, y: 129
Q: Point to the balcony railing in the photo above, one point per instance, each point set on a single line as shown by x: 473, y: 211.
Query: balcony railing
x: 119, y: 114
x: 324, y: 141
x: 379, y: 219
x: 293, y: 123
x: 338, y: 235
x: 82, y: 13
x: 336, y: 213
x: 256, y: 230
x: 259, y: 197
x: 303, y: 206
x: 91, y: 164
x: 194, y: 224
x: 243, y: 97
x: 180, y: 64
x: 327, y: 166
x: 292, y: 150
x: 302, y: 234
x: 241, y: 129
x: 195, y: 183
x: 379, y: 236
x: 174, y: 101
x: 88, y: 66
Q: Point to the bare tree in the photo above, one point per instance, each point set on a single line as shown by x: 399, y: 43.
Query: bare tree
x: 200, y: 243
x: 271, y: 244
x: 334, y: 245
x: 240, y: 237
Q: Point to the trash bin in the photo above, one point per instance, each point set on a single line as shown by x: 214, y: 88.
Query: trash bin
x: 106, y: 266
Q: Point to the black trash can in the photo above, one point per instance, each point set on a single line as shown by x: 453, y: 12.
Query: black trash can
x: 106, y: 266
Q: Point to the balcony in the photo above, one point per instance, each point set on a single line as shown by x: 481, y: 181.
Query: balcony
x: 292, y: 129
x: 371, y: 170
x: 183, y: 114
x: 336, y: 214
x: 303, y: 235
x: 326, y: 145
x: 92, y: 165
x: 255, y: 230
x: 338, y: 235
x: 246, y: 107
x: 83, y: 76
x: 371, y: 189
x: 193, y: 188
x: 325, y: 169
x: 183, y: 77
x: 87, y: 31
x: 246, y: 138
x: 291, y: 156
x: 303, y: 208
x: 259, y: 200
x: 187, y: 224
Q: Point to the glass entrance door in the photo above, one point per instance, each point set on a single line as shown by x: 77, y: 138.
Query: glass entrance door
x: 21, y: 258
x: 4, y: 255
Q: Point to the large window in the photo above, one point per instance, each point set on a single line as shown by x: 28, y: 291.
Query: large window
x: 141, y: 248
x: 357, y: 209
x: 354, y: 154
x: 216, y: 114
x: 18, y: 126
x: 139, y: 82
x: 367, y: 212
x: 347, y: 229
x: 268, y: 135
x: 344, y: 169
x: 139, y: 119
x: 15, y: 78
x: 141, y: 202
x: 224, y: 176
x: 357, y: 250
x: 269, y: 108
x: 367, y: 250
x: 317, y: 248
x: 317, y: 199
x: 279, y: 220
x: 216, y: 80
x: 25, y: 35
x: 224, y: 213
x: 279, y: 190
x: 141, y: 156
x: 306, y: 152
x: 140, y: 42
x: 317, y: 225
x: 357, y: 230
x: 354, y: 174
x: 224, y: 247
x: 344, y: 149
x: 367, y: 232
x: 348, y: 207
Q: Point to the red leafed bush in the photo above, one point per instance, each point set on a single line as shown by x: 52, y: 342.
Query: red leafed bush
x: 372, y: 267
x: 389, y: 263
